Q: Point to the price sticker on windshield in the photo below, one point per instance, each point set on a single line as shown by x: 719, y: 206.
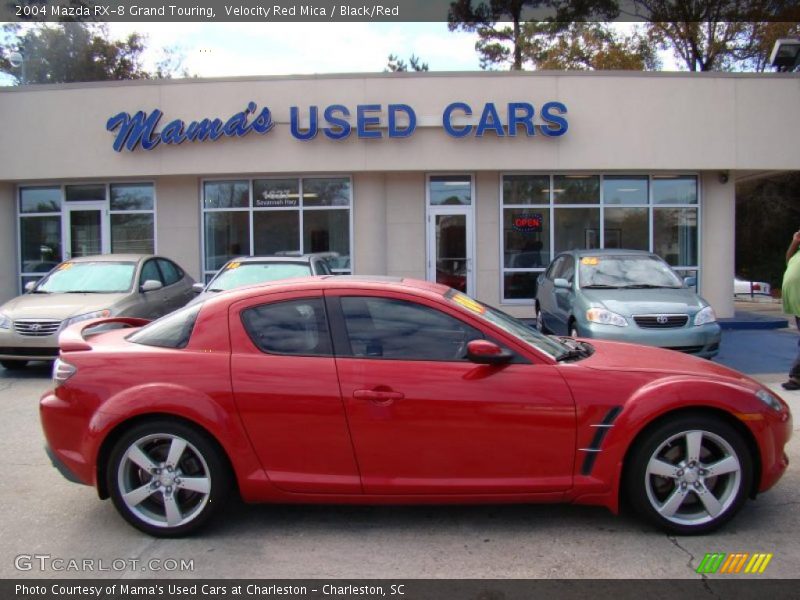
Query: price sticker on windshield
x: 590, y: 261
x: 65, y: 266
x: 468, y: 303
x: 234, y: 265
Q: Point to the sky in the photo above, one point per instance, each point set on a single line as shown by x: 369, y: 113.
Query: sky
x: 233, y: 49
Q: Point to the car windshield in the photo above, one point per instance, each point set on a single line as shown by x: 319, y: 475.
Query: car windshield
x: 237, y: 274
x: 101, y: 277
x: 626, y: 272
x: 549, y: 345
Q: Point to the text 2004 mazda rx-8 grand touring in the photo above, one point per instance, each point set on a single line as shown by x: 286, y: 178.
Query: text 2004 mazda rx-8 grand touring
x: 347, y: 389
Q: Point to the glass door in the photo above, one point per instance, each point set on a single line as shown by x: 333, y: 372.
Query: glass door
x: 85, y: 233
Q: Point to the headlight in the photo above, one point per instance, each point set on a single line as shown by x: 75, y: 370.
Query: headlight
x: 98, y: 314
x: 769, y: 399
x: 706, y: 315
x: 5, y: 322
x: 605, y: 317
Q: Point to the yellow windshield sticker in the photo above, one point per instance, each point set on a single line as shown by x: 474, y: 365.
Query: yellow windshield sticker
x: 65, y: 266
x: 234, y: 265
x: 468, y: 303
x: 590, y: 261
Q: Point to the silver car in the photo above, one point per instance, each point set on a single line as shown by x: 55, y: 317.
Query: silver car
x: 129, y: 285
x: 624, y: 295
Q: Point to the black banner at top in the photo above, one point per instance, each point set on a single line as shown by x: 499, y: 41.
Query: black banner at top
x: 391, y: 10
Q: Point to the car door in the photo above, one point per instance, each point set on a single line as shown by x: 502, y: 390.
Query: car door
x: 177, y: 288
x: 150, y: 305
x: 424, y: 420
x: 546, y: 294
x: 564, y: 298
x: 287, y: 392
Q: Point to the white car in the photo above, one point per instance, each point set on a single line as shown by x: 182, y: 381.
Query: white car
x: 744, y: 287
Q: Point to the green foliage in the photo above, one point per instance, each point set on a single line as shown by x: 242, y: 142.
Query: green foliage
x: 77, y: 51
x: 398, y: 65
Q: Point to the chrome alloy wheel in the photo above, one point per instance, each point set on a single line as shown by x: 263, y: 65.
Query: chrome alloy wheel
x: 693, y: 477
x: 164, y: 480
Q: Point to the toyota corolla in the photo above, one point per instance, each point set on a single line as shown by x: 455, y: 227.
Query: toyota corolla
x: 359, y: 390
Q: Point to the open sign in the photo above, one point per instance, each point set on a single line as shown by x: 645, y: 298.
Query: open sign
x: 527, y: 222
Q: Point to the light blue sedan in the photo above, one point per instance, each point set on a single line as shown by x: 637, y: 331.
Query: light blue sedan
x: 627, y: 296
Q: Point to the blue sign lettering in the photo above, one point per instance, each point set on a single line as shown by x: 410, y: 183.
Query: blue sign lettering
x: 140, y: 128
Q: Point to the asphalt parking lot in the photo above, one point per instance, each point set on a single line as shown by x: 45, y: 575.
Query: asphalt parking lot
x: 44, y: 515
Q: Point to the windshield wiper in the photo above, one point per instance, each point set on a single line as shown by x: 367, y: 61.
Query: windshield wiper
x: 575, y: 350
x: 648, y: 286
x: 39, y: 292
x: 215, y: 290
x: 597, y: 286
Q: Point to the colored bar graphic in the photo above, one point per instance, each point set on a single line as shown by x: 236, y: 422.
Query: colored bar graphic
x: 735, y: 563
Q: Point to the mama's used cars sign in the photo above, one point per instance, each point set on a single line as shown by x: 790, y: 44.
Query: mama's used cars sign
x: 336, y: 122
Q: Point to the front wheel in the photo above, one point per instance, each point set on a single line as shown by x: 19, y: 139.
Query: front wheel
x: 540, y: 321
x: 166, y: 478
x: 690, y: 475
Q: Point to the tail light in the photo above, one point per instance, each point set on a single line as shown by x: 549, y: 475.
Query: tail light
x: 62, y: 371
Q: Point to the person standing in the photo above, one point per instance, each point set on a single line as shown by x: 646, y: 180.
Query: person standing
x: 790, y: 290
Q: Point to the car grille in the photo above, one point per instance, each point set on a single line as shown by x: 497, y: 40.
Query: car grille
x: 36, y: 327
x: 660, y: 321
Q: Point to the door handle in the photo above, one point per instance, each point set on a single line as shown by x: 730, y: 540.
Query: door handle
x: 378, y: 396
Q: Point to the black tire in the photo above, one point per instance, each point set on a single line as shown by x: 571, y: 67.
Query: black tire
x: 200, y: 462
x: 702, y: 501
x: 14, y: 365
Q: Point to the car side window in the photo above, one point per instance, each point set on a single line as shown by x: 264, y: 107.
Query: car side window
x: 297, y: 327
x: 400, y: 330
x: 170, y: 271
x: 150, y: 271
x: 568, y: 270
x: 554, y: 269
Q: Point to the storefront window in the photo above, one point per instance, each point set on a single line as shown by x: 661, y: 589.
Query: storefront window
x: 446, y: 190
x: 285, y: 216
x: 40, y: 244
x: 132, y: 233
x: 674, y: 190
x: 132, y: 196
x: 638, y: 212
x: 576, y: 228
x: 226, y: 194
x: 40, y: 200
x: 85, y: 193
x: 675, y: 235
x: 576, y: 189
x: 625, y: 190
x: 626, y: 228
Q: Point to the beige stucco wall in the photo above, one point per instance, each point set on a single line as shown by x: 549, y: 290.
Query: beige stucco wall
x: 616, y: 121
x: 178, y: 221
x: 370, y: 250
x: 487, y: 240
x: 718, y: 242
x: 405, y: 225
x: 8, y: 243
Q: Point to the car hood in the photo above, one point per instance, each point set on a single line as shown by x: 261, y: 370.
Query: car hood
x: 620, y: 356
x: 57, y: 306
x: 646, y: 301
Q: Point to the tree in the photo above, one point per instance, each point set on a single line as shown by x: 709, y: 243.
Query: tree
x: 718, y: 35
x: 587, y: 46
x: 77, y: 51
x: 398, y: 65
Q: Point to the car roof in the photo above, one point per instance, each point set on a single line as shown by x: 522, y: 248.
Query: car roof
x: 323, y: 282
x: 302, y: 259
x: 111, y: 258
x: 609, y: 252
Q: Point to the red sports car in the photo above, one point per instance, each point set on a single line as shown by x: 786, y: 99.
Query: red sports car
x: 359, y: 390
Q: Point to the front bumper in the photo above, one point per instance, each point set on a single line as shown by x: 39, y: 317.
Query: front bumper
x: 702, y: 341
x: 21, y: 347
x: 61, y: 467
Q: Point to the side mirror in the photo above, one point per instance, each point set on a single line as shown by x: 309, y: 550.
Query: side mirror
x: 484, y: 352
x: 562, y: 283
x: 29, y: 286
x: 151, y: 285
x: 197, y: 287
x: 690, y: 281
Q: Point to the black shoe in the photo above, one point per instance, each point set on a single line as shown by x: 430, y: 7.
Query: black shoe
x: 790, y: 385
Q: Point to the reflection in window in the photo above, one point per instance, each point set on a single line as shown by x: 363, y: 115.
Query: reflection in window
x: 326, y: 191
x: 40, y: 199
x: 674, y: 190
x: 84, y: 193
x: 226, y: 194
x: 297, y: 327
x: 445, y: 190
x: 626, y: 228
x: 40, y: 243
x: 526, y: 189
x: 132, y: 196
x: 518, y: 286
x: 328, y: 232
x: 675, y: 235
x: 577, y: 228
x: 621, y: 189
x: 276, y: 231
x: 227, y: 235
x: 132, y: 233
x: 576, y: 189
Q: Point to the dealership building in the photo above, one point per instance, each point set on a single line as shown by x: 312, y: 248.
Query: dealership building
x: 473, y: 179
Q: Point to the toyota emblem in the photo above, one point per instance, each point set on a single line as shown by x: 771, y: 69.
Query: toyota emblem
x: 661, y: 319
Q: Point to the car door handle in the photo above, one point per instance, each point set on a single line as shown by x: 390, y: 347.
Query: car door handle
x: 378, y: 396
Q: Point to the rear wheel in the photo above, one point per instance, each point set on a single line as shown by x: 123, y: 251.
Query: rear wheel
x: 14, y: 365
x: 690, y: 475
x: 166, y: 478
